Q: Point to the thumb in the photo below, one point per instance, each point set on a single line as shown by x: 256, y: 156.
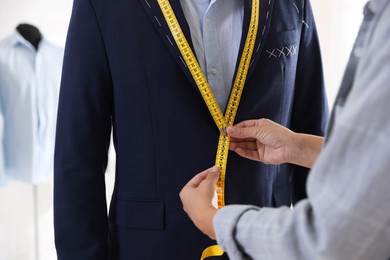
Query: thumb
x: 213, y: 175
x: 241, y: 132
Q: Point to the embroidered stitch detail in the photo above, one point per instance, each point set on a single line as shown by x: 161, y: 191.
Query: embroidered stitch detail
x: 258, y: 47
x: 169, y: 39
x: 267, y: 15
x: 283, y: 51
x: 291, y: 51
x: 155, y: 17
x: 183, y: 61
x: 303, y: 21
x: 296, y: 7
x: 271, y: 53
x: 146, y: 1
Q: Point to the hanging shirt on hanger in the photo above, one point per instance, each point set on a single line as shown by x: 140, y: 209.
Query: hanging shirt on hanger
x: 29, y: 88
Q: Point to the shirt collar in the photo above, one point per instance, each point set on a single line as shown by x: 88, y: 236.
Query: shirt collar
x: 16, y: 38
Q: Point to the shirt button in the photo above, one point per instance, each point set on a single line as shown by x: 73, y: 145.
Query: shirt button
x: 213, y: 71
x: 208, y: 21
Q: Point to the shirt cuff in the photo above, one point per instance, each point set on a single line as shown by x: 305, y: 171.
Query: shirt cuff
x: 225, y: 223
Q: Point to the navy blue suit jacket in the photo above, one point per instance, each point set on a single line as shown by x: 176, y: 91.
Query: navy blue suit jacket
x: 121, y: 72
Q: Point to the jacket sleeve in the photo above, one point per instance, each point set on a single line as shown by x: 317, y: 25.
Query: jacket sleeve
x: 82, y: 141
x: 310, y: 107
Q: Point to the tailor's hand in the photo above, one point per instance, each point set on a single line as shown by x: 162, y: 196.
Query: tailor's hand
x: 261, y: 140
x: 199, y: 200
x: 268, y: 142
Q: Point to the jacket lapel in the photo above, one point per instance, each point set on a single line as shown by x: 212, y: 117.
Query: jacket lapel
x: 152, y: 8
x: 263, y: 28
x: 156, y: 16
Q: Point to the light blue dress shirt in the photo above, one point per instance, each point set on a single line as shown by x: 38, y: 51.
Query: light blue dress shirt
x: 216, y: 28
x: 29, y: 88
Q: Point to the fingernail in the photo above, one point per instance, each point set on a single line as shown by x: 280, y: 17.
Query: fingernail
x: 214, y: 169
x: 231, y: 130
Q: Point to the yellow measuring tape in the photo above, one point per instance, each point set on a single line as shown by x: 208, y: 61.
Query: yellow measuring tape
x: 220, y: 120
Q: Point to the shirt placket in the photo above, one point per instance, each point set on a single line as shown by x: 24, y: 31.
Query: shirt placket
x: 214, y: 72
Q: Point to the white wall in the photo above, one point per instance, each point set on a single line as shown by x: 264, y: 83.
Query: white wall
x: 337, y: 21
x: 50, y: 16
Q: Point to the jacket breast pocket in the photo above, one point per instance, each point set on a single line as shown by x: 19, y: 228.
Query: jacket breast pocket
x: 282, y: 46
x: 144, y: 214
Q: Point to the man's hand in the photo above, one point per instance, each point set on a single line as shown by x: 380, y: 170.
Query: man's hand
x: 199, y: 200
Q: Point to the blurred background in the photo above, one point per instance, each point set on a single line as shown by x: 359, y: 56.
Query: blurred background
x: 26, y: 211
